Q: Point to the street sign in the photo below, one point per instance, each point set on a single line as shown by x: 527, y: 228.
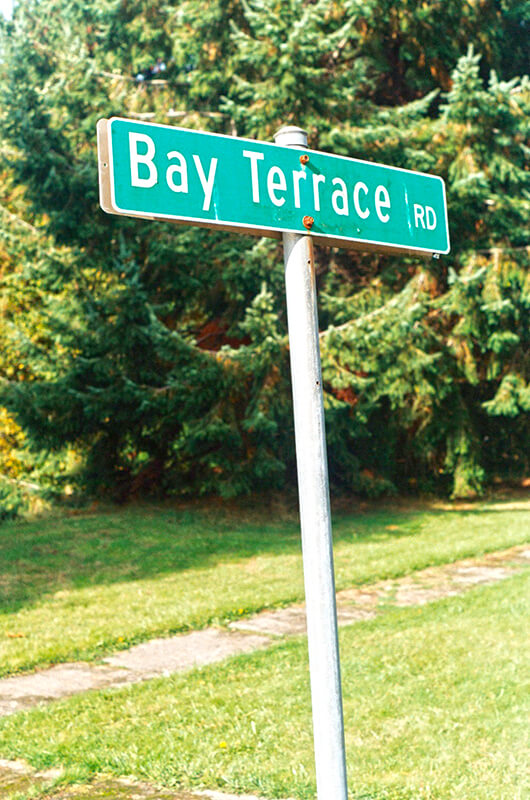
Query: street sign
x: 247, y: 186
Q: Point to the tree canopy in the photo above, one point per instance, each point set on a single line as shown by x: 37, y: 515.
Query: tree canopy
x: 143, y: 357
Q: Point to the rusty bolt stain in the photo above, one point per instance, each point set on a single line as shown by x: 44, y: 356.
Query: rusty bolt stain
x: 304, y: 159
x: 308, y: 222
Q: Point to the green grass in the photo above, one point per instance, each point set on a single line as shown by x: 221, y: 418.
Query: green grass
x: 80, y: 587
x: 436, y: 708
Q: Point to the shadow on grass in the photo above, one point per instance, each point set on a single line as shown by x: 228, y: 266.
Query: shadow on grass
x: 41, y: 557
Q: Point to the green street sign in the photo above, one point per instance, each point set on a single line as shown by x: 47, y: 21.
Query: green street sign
x: 163, y: 172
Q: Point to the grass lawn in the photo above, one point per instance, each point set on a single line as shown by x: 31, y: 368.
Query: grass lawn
x: 79, y: 587
x: 436, y: 708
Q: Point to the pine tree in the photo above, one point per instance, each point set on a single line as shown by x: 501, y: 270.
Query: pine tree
x: 450, y: 351
x: 113, y: 311
x: 158, y: 354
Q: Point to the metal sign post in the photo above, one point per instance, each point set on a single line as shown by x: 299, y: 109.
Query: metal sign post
x: 283, y: 189
x: 315, y: 518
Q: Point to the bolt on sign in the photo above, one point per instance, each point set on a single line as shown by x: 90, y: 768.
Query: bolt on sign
x: 247, y: 186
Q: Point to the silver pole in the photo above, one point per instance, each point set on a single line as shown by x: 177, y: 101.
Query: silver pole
x: 315, y: 518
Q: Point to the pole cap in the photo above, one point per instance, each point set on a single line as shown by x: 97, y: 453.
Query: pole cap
x: 291, y: 136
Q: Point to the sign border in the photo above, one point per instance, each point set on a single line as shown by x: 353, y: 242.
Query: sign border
x: 108, y: 200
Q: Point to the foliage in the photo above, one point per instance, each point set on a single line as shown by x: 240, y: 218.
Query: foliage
x: 157, y: 355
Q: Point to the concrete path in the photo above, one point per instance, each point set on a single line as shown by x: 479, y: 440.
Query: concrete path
x: 158, y: 657
x: 419, y: 588
x: 161, y: 657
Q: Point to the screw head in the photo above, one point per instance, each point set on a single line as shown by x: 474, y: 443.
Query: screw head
x: 304, y: 158
x: 308, y: 222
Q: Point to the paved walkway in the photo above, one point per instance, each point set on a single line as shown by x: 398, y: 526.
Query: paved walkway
x: 161, y: 657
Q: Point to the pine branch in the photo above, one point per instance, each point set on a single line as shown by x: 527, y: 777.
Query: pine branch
x: 25, y: 484
x: 396, y: 301
x: 18, y: 220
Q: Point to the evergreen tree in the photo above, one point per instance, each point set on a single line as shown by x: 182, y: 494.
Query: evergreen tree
x: 158, y: 354
x: 120, y: 322
x: 451, y: 350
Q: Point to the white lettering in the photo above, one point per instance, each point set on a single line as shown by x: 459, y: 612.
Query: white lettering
x: 362, y: 212
x: 431, y: 218
x: 297, y: 177
x: 142, y: 158
x: 340, y: 194
x: 419, y: 213
x: 316, y: 180
x: 274, y: 185
x: 254, y: 158
x: 182, y: 169
x: 382, y: 200
x: 206, y: 182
